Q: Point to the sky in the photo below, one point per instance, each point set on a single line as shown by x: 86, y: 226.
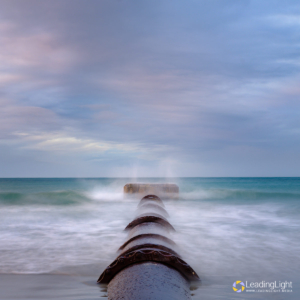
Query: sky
x: 128, y: 88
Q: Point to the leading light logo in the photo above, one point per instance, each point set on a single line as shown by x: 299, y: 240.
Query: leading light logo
x: 238, y: 286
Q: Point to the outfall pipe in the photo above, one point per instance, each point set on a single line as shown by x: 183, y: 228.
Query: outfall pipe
x: 148, y: 265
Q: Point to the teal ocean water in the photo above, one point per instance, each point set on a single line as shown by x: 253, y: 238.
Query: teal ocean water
x: 228, y: 229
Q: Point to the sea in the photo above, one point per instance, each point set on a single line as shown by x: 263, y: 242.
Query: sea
x: 57, y: 235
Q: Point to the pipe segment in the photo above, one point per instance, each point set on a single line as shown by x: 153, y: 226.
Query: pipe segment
x: 148, y: 266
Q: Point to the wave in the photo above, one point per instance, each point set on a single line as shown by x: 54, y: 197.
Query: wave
x: 71, y: 197
x: 231, y: 194
x: 45, y: 198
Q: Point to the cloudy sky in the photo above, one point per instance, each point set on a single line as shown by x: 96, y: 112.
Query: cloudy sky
x: 149, y: 88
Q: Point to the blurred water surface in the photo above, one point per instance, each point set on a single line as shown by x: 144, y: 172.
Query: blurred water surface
x: 228, y: 229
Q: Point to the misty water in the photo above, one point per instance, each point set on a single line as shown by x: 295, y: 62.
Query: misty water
x: 58, y: 235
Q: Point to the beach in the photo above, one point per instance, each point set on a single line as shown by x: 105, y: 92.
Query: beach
x: 58, y: 235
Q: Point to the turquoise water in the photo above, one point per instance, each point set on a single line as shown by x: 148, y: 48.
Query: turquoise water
x: 228, y: 229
